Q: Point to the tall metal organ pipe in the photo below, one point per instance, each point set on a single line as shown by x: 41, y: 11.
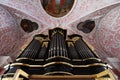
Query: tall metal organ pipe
x: 31, y: 50
x: 57, y: 46
x: 72, y: 51
x: 58, y: 57
x: 82, y: 49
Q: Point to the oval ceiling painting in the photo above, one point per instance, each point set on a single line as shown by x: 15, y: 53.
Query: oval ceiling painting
x: 57, y: 8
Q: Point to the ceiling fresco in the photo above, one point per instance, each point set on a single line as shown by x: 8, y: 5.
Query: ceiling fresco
x: 57, y: 8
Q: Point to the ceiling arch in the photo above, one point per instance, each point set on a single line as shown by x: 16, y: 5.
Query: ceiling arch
x: 81, y: 8
x: 108, y: 33
x: 9, y: 36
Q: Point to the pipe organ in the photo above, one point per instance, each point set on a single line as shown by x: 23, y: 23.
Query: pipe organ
x: 58, y: 56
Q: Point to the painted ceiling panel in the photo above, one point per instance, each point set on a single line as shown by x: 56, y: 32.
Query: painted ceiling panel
x: 108, y: 34
x: 96, y: 16
x: 8, y: 33
x: 80, y: 9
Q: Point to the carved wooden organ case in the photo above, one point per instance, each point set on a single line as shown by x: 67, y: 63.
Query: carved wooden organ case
x: 59, y: 55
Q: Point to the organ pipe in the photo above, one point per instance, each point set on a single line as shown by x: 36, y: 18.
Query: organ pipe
x: 31, y: 50
x: 42, y: 53
x: 82, y: 49
x: 57, y: 46
x: 72, y: 51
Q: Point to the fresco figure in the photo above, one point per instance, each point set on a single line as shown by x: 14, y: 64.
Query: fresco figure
x: 28, y: 26
x: 51, y: 7
x: 86, y: 26
x: 57, y: 8
x: 62, y: 5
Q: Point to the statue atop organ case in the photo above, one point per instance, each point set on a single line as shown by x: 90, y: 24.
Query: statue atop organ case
x: 57, y: 55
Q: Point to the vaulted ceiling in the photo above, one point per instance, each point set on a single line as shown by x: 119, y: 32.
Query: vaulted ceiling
x: 105, y: 38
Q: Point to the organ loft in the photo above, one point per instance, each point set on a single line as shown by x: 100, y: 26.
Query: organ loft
x: 58, y: 56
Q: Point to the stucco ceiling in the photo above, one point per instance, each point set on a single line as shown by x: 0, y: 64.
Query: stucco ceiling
x: 105, y: 38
